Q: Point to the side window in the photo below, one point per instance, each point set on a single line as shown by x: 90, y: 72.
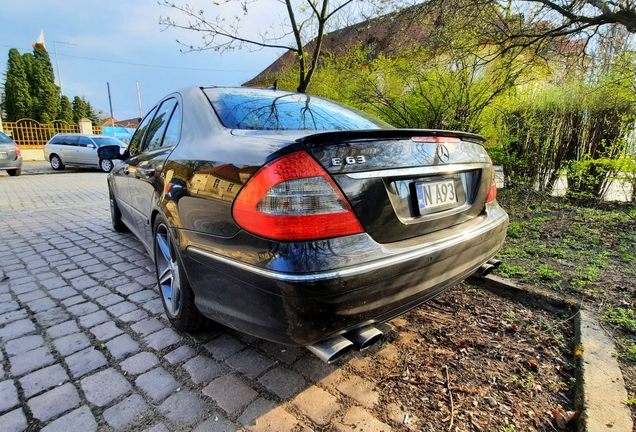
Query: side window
x: 84, y: 142
x: 174, y: 126
x: 135, y: 142
x: 154, y: 137
x: 71, y: 140
x: 58, y: 140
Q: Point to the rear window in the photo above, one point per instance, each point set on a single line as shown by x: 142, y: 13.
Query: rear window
x: 104, y: 141
x: 257, y: 109
x: 4, y: 138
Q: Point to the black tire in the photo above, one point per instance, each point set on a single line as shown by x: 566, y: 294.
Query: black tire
x: 14, y: 172
x: 176, y: 295
x: 56, y: 162
x: 115, y: 214
x: 106, y: 165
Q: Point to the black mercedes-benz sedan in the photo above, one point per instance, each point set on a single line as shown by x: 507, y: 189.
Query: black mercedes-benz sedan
x: 297, y: 219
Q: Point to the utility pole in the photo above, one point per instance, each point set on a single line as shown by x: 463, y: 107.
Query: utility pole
x: 57, y: 63
x: 110, y: 102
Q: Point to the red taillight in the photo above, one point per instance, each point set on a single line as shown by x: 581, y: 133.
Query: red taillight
x: 293, y: 198
x: 492, y: 191
x: 18, y: 152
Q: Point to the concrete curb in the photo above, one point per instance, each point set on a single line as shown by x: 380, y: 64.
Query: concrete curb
x: 600, y: 389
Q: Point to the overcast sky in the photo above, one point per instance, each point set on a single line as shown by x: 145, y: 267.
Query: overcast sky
x: 121, y: 42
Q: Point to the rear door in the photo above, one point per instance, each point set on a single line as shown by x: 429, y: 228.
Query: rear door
x: 86, y: 152
x: 69, y: 150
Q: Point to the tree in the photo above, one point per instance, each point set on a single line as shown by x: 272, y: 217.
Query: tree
x: 91, y: 114
x: 66, y: 110
x: 306, y: 23
x: 79, y: 109
x: 17, y: 100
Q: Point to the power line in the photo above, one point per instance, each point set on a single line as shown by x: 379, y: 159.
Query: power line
x: 147, y: 65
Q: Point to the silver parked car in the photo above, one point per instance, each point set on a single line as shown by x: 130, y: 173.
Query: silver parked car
x: 10, y: 156
x: 80, y: 150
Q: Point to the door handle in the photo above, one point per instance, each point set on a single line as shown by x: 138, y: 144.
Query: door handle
x: 145, y: 173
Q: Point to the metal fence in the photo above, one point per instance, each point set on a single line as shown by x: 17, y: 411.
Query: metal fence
x: 31, y: 134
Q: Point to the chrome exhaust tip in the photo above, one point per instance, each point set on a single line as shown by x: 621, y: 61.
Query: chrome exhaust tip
x: 332, y: 349
x: 494, y: 262
x: 485, y: 269
x: 364, y: 337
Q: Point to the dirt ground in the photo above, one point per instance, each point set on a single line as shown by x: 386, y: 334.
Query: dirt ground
x: 473, y: 361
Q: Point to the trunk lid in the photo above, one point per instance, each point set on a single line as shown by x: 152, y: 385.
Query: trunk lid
x: 403, y: 183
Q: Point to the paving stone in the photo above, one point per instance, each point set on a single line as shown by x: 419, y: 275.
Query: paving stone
x: 81, y: 419
x: 73, y: 300
x: 62, y: 293
x: 122, y: 266
x: 30, y: 361
x: 318, y: 405
x: 124, y: 286
x: 143, y: 296
x: 109, y: 300
x: 357, y: 419
x: 180, y: 354
x: 41, y: 305
x: 282, y: 382
x: 83, y: 282
x: 85, y: 361
x: 223, y: 347
x: 106, y: 331
x: 121, y: 308
x: 157, y: 428
x: 203, y: 369
x: 104, y: 386
x: 276, y: 420
x: 10, y: 317
x: 314, y: 368
x: 96, y: 318
x: 72, y: 343
x: 51, y: 317
x: 139, y: 363
x: 158, y: 384
x: 162, y: 339
x: 23, y: 344
x: 147, y: 280
x: 83, y: 309
x: 230, y: 393
x: 72, y: 274
x: 27, y: 297
x: 360, y: 390
x: 9, y: 306
x: 16, y: 329
x: 43, y: 379
x: 6, y: 297
x: 95, y: 269
x: 154, y: 307
x: 256, y: 409
x: 134, y: 316
x: 54, y: 402
x: 14, y: 421
x: 122, y: 346
x: 8, y: 395
x: 250, y: 363
x: 183, y: 407
x: 21, y: 289
x: 216, y: 423
x: 62, y: 329
x: 125, y: 412
x: 286, y: 354
x: 147, y: 326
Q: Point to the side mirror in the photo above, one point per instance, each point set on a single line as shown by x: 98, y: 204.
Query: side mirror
x: 90, y: 145
x: 109, y: 152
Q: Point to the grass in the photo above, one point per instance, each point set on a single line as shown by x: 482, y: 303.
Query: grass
x: 621, y: 316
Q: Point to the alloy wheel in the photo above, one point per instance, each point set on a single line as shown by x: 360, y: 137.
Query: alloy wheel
x: 168, y: 270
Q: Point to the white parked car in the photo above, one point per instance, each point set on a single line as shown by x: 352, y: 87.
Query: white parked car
x: 80, y: 150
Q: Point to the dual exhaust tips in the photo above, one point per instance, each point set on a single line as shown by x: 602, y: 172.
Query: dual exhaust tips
x: 332, y: 349
x: 487, y: 267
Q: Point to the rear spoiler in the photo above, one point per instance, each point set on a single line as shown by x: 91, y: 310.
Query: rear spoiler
x: 316, y: 140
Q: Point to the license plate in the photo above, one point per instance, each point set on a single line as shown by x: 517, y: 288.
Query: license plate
x: 3, y: 155
x: 436, y: 194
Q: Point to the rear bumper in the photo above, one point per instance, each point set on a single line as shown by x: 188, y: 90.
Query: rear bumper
x: 379, y: 282
x: 11, y: 164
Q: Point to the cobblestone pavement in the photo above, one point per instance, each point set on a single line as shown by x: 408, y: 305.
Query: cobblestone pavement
x: 84, y: 343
